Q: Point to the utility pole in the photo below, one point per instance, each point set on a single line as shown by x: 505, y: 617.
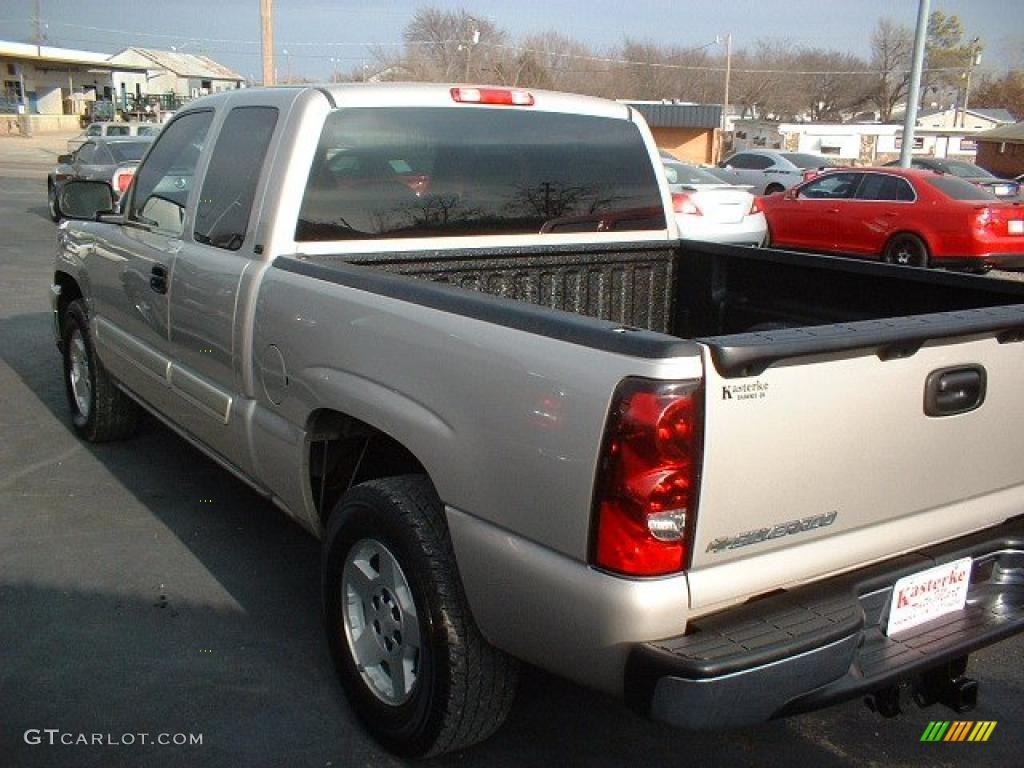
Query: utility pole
x: 37, y: 25
x: 914, y: 91
x: 725, y: 101
x: 474, y: 40
x: 267, y: 36
x: 975, y: 61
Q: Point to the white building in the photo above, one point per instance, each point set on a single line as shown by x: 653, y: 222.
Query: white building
x: 54, y: 83
x: 185, y: 75
x: 865, y: 143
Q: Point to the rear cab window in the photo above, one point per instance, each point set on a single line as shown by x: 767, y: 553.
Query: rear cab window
x: 394, y: 172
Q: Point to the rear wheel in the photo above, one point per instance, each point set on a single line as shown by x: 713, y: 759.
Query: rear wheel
x: 907, y: 250
x: 412, y: 661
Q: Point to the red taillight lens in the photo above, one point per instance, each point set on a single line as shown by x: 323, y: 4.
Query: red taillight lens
x: 755, y: 206
x: 683, y: 203
x: 502, y: 96
x: 648, y: 478
x: 123, y: 180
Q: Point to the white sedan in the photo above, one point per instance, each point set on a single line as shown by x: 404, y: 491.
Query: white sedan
x: 707, y: 208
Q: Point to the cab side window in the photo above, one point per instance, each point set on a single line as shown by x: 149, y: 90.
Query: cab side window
x: 94, y: 130
x: 225, y: 202
x: 164, y: 180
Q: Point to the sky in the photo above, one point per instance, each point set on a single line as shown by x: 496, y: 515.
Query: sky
x: 321, y: 36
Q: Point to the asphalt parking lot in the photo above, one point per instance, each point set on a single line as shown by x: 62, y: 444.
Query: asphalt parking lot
x: 143, y: 590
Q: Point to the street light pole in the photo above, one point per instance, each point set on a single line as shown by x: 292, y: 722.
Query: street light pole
x: 725, y: 101
x: 914, y: 90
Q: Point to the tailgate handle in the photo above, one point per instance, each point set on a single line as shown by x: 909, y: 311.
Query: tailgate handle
x: 949, y: 391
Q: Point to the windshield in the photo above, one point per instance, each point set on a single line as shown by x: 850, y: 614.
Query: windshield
x: 442, y: 172
x: 958, y: 189
x: 129, y: 151
x: 802, y: 160
x: 682, y: 174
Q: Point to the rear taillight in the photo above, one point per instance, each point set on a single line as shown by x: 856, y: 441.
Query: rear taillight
x: 755, y: 206
x: 645, y: 500
x: 123, y: 179
x: 500, y: 96
x: 683, y: 203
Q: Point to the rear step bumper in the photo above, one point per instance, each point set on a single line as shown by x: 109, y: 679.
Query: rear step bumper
x: 824, y: 643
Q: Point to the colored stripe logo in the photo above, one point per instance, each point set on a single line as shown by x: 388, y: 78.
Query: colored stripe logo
x: 958, y: 730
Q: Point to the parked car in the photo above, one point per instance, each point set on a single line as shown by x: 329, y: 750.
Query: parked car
x: 902, y: 216
x: 113, y: 129
x: 768, y: 170
x: 706, y: 208
x: 964, y: 170
x: 110, y: 160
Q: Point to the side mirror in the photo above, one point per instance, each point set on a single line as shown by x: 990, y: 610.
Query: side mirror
x: 85, y: 200
x: 791, y: 193
x: 724, y: 164
x: 65, y: 159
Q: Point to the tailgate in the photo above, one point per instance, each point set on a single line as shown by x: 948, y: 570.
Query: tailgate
x: 820, y: 456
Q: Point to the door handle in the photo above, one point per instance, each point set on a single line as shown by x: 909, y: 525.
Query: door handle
x: 158, y: 278
x: 950, y: 391
x: 832, y: 210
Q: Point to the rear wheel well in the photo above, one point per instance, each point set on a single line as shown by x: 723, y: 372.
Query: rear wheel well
x: 343, y: 451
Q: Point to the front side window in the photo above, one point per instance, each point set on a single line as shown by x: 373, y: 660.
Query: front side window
x: 94, y: 130
x: 162, y: 183
x: 749, y: 162
x: 447, y: 172
x: 225, y: 201
x: 831, y: 186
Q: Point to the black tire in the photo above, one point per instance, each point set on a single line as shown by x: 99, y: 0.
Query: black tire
x: 462, y: 687
x: 907, y: 250
x: 100, y: 412
x: 771, y: 189
x: 52, y: 203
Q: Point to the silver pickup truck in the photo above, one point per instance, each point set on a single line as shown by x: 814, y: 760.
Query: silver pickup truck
x: 452, y: 332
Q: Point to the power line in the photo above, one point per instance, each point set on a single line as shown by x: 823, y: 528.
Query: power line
x: 704, y: 68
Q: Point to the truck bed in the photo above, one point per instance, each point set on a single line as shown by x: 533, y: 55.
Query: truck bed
x: 749, y: 306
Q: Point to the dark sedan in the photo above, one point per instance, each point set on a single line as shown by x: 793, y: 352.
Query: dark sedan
x: 111, y: 160
x: 966, y: 171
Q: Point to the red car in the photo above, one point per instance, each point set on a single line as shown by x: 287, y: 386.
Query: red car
x: 899, y: 215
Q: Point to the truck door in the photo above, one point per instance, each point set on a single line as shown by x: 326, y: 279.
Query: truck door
x: 131, y: 273
x: 212, y: 268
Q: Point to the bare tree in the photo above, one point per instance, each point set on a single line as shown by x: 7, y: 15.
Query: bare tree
x: 892, y: 48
